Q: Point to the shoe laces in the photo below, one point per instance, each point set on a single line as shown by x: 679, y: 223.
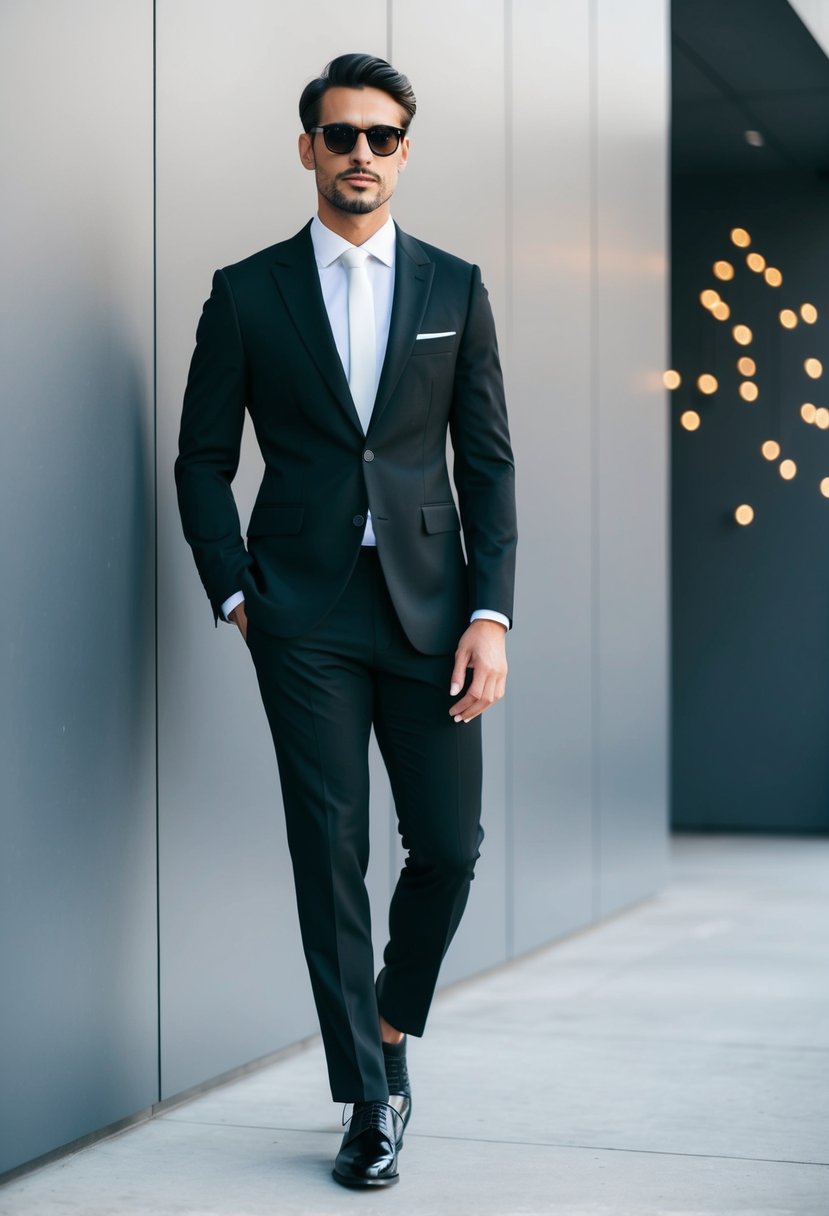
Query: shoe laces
x: 372, y: 1114
x: 397, y: 1075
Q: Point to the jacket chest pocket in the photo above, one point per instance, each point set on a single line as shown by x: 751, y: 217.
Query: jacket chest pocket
x: 437, y: 344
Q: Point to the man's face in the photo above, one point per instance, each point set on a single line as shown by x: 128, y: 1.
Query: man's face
x: 357, y: 181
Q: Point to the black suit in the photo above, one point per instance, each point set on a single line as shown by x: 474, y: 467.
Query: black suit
x: 344, y: 638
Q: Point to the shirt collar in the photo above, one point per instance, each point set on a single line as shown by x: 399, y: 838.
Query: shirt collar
x: 328, y: 245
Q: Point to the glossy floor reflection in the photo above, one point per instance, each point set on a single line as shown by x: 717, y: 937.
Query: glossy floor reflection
x: 670, y: 1062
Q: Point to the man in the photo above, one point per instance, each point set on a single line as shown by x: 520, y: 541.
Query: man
x: 355, y: 348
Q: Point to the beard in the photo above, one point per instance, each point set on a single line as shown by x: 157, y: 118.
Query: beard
x: 356, y: 204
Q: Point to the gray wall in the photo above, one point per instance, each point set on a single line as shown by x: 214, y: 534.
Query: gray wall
x: 556, y: 185
x: 78, y: 999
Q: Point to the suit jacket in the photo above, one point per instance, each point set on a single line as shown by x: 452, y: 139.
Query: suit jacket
x: 264, y: 344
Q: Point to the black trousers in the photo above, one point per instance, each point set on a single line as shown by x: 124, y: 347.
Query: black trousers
x: 322, y: 693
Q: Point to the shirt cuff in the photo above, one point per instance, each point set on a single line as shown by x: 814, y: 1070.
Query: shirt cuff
x: 486, y: 614
x: 231, y: 603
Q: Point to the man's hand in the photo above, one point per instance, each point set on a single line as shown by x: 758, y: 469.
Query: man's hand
x: 239, y: 617
x: 483, y: 648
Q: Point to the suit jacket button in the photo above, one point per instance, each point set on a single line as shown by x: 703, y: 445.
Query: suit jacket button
x: 368, y: 455
x: 358, y: 521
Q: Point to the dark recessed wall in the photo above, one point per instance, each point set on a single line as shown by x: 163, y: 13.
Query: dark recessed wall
x: 750, y: 604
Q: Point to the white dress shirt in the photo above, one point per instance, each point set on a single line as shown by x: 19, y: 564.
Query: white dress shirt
x: 328, y: 247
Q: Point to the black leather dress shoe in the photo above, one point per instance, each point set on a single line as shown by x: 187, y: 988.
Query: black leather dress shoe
x: 368, y: 1153
x: 400, y: 1091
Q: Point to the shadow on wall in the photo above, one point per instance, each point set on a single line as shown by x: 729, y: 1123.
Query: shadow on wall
x: 77, y: 902
x: 83, y: 686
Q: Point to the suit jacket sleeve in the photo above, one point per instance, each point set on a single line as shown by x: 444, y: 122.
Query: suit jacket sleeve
x: 483, y: 471
x: 209, y: 444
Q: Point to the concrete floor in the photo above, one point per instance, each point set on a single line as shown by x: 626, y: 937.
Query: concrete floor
x: 671, y: 1062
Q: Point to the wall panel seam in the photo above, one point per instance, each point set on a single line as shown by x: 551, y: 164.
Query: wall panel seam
x: 594, y: 674
x: 155, y: 551
x: 509, y: 305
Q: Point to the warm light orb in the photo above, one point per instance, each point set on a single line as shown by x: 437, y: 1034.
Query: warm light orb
x: 749, y: 391
x: 788, y: 469
x: 755, y: 262
x: 671, y: 379
x: 771, y: 449
x: 773, y: 276
x: 822, y: 419
x: 746, y: 366
x: 721, y: 311
x: 742, y: 335
x: 824, y: 487
x: 723, y: 270
x: 740, y: 238
x: 690, y: 420
x: 813, y: 368
x: 788, y: 318
x: 706, y: 383
x: 744, y: 514
x: 809, y: 313
x: 808, y: 412
x: 709, y: 297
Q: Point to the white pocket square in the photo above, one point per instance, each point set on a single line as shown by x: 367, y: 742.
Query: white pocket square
x: 447, y: 333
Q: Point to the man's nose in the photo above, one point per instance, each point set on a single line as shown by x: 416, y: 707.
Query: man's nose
x: 361, y: 152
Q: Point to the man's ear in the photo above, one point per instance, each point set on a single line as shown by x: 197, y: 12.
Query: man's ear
x: 306, y: 151
x: 405, y: 146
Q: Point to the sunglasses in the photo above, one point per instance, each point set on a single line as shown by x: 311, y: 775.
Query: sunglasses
x: 340, y: 138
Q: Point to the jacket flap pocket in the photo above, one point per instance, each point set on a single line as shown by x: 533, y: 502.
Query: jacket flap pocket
x: 283, y: 520
x: 440, y: 517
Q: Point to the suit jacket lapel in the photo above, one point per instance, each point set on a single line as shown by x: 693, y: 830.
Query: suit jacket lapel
x: 413, y: 273
x: 297, y: 279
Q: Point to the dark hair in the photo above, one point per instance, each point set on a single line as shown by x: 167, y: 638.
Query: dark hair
x: 356, y: 72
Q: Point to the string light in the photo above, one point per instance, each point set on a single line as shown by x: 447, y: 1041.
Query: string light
x: 671, y: 379
x: 723, y: 270
x: 748, y: 390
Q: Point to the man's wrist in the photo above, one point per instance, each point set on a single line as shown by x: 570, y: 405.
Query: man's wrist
x: 233, y: 601
x: 489, y: 614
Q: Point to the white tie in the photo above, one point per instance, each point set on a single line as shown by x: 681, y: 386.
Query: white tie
x: 362, y: 335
